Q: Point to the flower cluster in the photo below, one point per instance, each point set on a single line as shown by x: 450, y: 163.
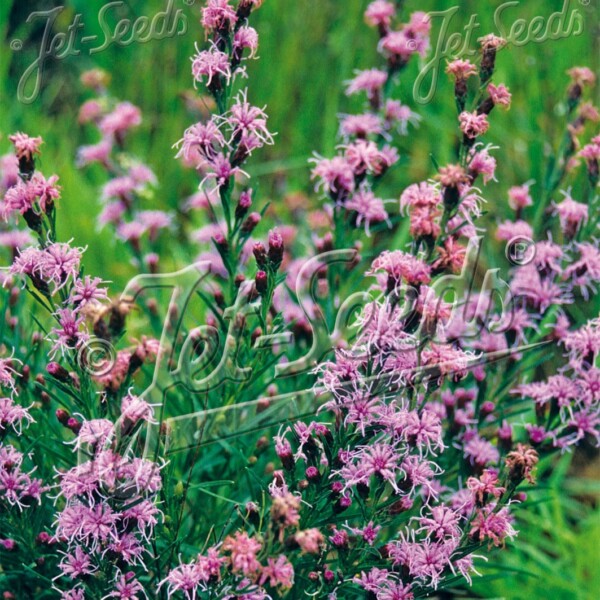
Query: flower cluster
x: 126, y: 194
x: 349, y: 178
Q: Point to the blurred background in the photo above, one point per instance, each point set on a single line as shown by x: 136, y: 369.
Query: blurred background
x: 308, y: 48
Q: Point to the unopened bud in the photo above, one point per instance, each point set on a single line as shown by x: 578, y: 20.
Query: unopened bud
x: 261, y: 282
x: 252, y: 220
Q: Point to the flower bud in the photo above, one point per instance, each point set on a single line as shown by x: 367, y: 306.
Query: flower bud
x: 261, y: 281
x: 57, y: 371
x: 252, y: 220
x: 312, y: 474
x: 275, y: 249
x: 244, y: 204
x: 260, y: 254
x: 74, y: 425
x: 63, y: 416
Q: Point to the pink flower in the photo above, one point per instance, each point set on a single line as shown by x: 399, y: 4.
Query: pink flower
x: 68, y: 333
x: 246, y: 37
x: 369, y: 209
x: 508, y: 230
x: 9, y: 171
x: 361, y: 125
x: 500, y: 95
x: 88, y: 290
x: 395, y: 590
x: 401, y: 115
x: 461, y: 69
x: 46, y: 190
x: 519, y: 197
x: 247, y: 120
x: 400, y: 265
x: 125, y: 116
x: 443, y: 523
x: 367, y: 533
x: 25, y: 146
x: 99, y: 152
x: 127, y: 588
x: 582, y: 76
x: 77, y: 564
x: 420, y: 194
x: 472, y: 124
x: 184, y: 578
x: 491, y: 525
x: 336, y: 175
x: 370, y: 81
x: 480, y: 452
x: 571, y: 214
x: 19, y: 198
x: 200, y: 142
x: 379, y: 13
x: 279, y: 573
x: 243, y: 550
x: 119, y: 187
x: 154, y: 220
x: 218, y: 15
x: 90, y: 111
x: 380, y: 459
x: 585, y: 271
x: 486, y: 487
x: 482, y: 163
x: 310, y: 541
x: 12, y: 415
x: 211, y: 64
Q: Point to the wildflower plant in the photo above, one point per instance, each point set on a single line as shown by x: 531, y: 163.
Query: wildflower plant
x: 252, y: 427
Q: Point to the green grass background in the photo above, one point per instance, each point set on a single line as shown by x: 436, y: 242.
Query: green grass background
x: 308, y: 49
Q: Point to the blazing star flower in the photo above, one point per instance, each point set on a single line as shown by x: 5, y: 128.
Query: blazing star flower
x: 77, y: 564
x: 461, y: 69
x: 243, y: 550
x: 493, y: 526
x: 246, y: 37
x: 127, y: 588
x: 571, y: 214
x: 369, y: 209
x: 69, y: 334
x: 401, y: 266
x: 400, y: 116
x: 211, y: 64
x: 201, y: 142
x: 91, y: 110
x: 370, y: 81
x: 472, y: 124
x: 184, y: 578
x: 218, y: 15
x: 278, y: 572
x: 361, y: 125
x: 380, y: 13
x: 335, y: 175
x: 125, y: 116
x: 13, y: 415
x: 480, y: 452
x: 519, y: 197
x: 245, y: 119
x: 582, y: 76
x: 25, y: 146
x: 500, y: 95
